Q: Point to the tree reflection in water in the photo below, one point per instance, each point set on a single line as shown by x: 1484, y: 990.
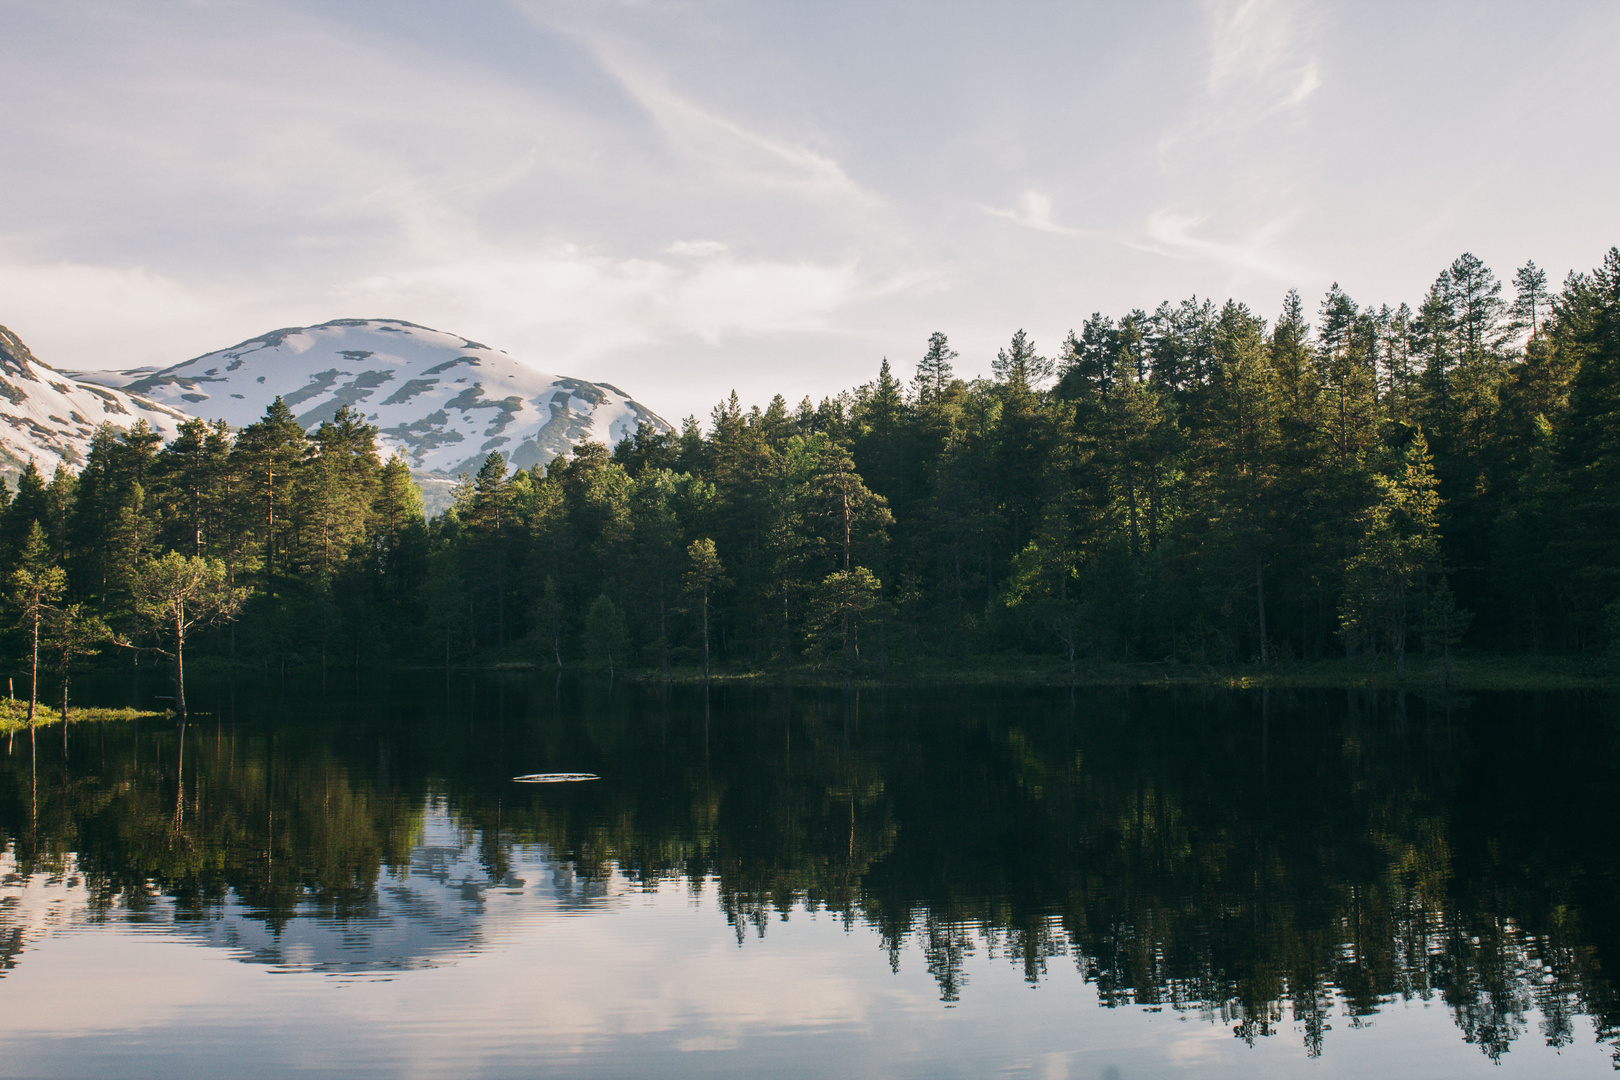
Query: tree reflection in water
x: 1257, y: 857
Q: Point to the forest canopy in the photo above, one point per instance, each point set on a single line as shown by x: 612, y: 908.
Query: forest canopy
x: 1195, y: 484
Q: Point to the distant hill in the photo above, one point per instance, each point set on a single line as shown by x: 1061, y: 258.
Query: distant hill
x: 49, y: 415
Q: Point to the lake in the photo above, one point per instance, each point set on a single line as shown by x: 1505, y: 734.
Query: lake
x: 1106, y: 884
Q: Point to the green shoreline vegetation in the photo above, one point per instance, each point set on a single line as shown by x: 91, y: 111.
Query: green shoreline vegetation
x: 14, y: 715
x: 1416, y: 495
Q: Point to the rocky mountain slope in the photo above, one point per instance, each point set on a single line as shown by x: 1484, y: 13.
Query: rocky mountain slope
x: 49, y: 416
x: 445, y: 400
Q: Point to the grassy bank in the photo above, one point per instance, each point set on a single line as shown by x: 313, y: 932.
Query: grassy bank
x: 14, y: 715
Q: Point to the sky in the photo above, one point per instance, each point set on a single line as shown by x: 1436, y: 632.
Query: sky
x: 687, y: 198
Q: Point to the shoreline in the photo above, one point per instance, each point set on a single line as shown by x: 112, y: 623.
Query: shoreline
x: 1475, y: 673
x: 1480, y: 672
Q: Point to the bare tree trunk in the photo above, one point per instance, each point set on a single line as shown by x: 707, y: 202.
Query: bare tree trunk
x: 33, y: 672
x: 180, y: 668
x: 847, y: 632
x: 663, y: 635
x: 1260, y: 603
x: 705, y: 635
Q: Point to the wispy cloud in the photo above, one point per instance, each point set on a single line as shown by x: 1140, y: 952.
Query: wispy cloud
x: 1223, y: 164
x: 1034, y: 211
x: 1172, y: 234
x: 722, y: 148
x: 1260, y: 65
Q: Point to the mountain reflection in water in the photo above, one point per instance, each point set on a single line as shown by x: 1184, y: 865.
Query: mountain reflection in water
x: 1279, y: 861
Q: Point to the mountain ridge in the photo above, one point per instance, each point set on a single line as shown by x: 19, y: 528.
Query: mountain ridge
x: 48, y: 413
x: 444, y: 399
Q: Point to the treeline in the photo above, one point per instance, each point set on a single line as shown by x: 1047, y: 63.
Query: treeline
x: 1193, y: 484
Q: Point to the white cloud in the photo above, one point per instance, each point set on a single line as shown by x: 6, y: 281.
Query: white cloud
x: 586, y: 305
x: 697, y: 249
x: 104, y: 317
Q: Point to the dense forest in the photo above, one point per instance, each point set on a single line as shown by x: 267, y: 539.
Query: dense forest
x: 1192, y: 484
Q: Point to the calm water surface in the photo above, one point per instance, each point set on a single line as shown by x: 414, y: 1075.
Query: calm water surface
x: 1102, y: 884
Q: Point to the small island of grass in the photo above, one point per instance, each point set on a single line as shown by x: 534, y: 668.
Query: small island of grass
x: 14, y: 715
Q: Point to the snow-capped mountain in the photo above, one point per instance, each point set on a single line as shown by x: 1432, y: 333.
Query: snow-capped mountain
x: 49, y: 416
x: 445, y: 400
x: 442, y: 906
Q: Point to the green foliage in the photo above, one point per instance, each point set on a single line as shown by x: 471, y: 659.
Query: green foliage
x: 1398, y: 547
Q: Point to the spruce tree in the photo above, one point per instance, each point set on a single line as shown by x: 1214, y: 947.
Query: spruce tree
x: 934, y: 372
x: 268, y: 455
x: 1531, y: 300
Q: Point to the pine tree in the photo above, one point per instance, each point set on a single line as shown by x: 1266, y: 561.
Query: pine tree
x: 269, y: 454
x: 548, y: 620
x: 445, y: 600
x: 1435, y: 340
x: 398, y: 532
x: 705, y: 577
x: 1019, y: 364
x: 1531, y: 301
x: 30, y: 506
x: 1398, y: 379
x: 655, y: 523
x: 1444, y: 623
x: 853, y: 518
x: 177, y: 594
x: 1239, y: 448
x: 72, y: 634
x: 1589, y: 317
x: 1477, y: 297
x: 92, y: 556
x: 933, y: 372
x: 190, y: 475
x: 336, y: 488
x: 841, y: 599
x: 607, y: 640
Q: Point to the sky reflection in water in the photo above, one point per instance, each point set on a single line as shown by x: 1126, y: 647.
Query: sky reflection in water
x: 1107, y: 884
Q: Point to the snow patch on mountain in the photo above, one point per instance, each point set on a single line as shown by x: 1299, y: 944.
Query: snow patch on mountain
x: 445, y: 400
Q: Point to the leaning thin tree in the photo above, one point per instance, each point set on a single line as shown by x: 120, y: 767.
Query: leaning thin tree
x: 34, y: 584
x: 74, y: 634
x: 175, y: 595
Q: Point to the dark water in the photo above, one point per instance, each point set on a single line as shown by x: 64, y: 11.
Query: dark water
x: 1100, y: 884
